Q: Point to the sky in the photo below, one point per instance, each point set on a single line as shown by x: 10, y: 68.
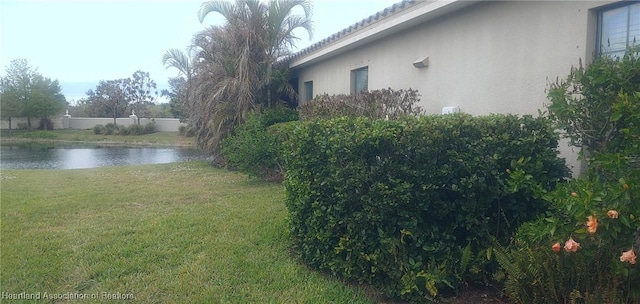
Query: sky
x: 80, y: 42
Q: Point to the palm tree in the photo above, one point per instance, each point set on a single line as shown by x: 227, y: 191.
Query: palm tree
x: 223, y: 90
x: 234, y: 63
x: 179, y: 60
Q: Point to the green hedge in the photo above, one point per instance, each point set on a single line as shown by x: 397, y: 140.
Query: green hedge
x: 113, y: 129
x: 411, y: 205
x: 376, y: 104
x: 255, y: 147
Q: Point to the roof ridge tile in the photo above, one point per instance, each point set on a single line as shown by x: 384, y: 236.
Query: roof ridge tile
x: 378, y: 16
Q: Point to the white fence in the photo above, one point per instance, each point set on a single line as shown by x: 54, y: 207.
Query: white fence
x: 85, y: 123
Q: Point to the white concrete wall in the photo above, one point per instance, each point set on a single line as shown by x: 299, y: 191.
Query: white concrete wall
x: 165, y: 124
x: 21, y: 122
x: 162, y: 124
x: 85, y: 123
x: 489, y: 57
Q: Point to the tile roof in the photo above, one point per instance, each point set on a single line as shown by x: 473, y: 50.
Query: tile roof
x: 383, y: 14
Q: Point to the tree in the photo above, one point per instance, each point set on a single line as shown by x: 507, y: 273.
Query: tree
x: 46, y: 99
x: 10, y: 106
x: 141, y: 93
x: 109, y: 98
x: 161, y: 110
x: 179, y: 60
x: 84, y: 107
x: 17, y: 85
x: 178, y: 96
x: 235, y: 62
x: 29, y: 94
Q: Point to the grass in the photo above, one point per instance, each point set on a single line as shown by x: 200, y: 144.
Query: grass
x: 169, y: 233
x: 87, y: 136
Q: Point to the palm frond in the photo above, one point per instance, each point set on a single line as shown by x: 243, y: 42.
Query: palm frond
x: 225, y: 8
x: 177, y: 59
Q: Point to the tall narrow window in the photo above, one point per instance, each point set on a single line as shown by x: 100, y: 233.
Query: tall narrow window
x: 308, y: 91
x: 618, y: 29
x: 360, y: 80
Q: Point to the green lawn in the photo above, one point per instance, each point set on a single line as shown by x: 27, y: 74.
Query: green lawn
x: 87, y: 136
x: 171, y: 233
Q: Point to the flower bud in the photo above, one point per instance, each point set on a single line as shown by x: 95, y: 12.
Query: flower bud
x: 592, y: 224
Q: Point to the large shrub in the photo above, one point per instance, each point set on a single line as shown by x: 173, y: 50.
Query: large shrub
x: 593, y: 104
x: 602, y: 217
x: 377, y: 104
x: 187, y: 130
x: 110, y: 129
x: 99, y: 129
x: 599, y: 107
x: 150, y: 128
x: 135, y: 129
x: 255, y: 147
x: 411, y: 205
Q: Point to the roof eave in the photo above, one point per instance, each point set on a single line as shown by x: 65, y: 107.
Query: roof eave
x: 380, y: 30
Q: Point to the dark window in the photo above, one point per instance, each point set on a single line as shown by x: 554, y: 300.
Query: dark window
x: 618, y: 29
x: 360, y: 80
x: 308, y: 90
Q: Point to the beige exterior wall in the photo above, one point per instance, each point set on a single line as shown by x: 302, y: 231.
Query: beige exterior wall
x: 488, y: 57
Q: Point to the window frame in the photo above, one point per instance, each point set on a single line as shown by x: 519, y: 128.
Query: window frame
x: 600, y: 21
x: 308, y: 90
x: 354, y: 80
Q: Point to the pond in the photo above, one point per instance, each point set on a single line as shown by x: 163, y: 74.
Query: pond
x: 50, y: 156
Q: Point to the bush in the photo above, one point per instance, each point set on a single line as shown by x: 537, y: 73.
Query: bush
x: 599, y: 107
x: 378, y: 104
x: 150, y: 128
x: 411, y: 205
x: 99, y: 129
x: 110, y: 128
x: 123, y: 131
x: 255, y: 148
x: 603, y: 218
x: 135, y: 129
x: 182, y: 130
x: 593, y: 104
x: 191, y: 131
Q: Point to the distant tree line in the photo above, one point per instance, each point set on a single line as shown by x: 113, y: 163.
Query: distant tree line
x: 26, y: 93
x: 121, y: 97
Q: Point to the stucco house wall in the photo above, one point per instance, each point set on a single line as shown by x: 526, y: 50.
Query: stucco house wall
x: 483, y: 56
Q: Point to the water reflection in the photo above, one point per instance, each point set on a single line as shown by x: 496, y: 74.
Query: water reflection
x: 47, y: 156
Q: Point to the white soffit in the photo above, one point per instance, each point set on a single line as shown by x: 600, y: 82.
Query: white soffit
x: 381, y: 29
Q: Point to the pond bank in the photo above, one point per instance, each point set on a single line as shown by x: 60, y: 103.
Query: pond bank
x: 158, y: 139
x: 12, y: 140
